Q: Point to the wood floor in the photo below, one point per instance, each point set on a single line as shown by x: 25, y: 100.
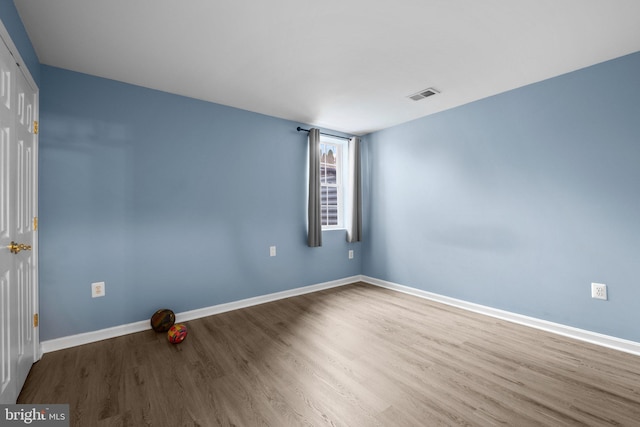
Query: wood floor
x: 356, y: 355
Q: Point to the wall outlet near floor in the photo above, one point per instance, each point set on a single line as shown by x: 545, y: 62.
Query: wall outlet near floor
x: 599, y: 291
x: 351, y: 254
x: 97, y: 289
x: 272, y: 251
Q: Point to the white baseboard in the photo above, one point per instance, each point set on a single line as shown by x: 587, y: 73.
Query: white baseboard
x: 556, y: 328
x: 93, y: 336
x: 221, y: 308
x: 143, y: 325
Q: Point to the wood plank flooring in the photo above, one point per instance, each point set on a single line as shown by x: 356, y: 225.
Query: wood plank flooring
x: 357, y: 355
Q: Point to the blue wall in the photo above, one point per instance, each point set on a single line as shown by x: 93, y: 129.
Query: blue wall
x: 13, y: 24
x: 518, y: 201
x: 171, y: 201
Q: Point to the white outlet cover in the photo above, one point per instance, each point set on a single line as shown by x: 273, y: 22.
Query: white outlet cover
x: 599, y: 291
x: 97, y: 289
x: 272, y: 251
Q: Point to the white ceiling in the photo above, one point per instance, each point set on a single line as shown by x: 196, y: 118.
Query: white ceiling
x: 346, y: 65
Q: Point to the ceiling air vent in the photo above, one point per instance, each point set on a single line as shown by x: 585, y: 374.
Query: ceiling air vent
x: 423, y: 94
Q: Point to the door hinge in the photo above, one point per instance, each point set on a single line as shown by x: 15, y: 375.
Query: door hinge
x: 35, y: 223
x: 35, y: 127
x: 35, y: 320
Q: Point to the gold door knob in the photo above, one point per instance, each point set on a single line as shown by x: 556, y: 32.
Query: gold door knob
x: 17, y: 247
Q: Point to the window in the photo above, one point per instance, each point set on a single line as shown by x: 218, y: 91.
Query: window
x: 332, y: 164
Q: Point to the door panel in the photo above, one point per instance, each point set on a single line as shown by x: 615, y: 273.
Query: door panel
x: 8, y: 296
x: 26, y: 143
x: 18, y: 206
x: 7, y: 362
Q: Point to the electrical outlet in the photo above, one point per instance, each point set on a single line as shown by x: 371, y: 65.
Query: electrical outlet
x: 272, y: 251
x: 351, y: 254
x: 599, y: 291
x: 97, y: 289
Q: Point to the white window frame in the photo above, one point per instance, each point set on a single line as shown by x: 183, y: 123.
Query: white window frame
x: 342, y: 165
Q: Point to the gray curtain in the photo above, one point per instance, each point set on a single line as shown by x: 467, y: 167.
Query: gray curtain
x: 354, y: 200
x: 314, y: 238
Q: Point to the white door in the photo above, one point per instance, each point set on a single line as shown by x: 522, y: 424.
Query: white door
x: 8, y: 341
x: 18, y: 207
x: 26, y: 265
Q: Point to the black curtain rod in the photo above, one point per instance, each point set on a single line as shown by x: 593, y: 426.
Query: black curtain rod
x: 322, y: 133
